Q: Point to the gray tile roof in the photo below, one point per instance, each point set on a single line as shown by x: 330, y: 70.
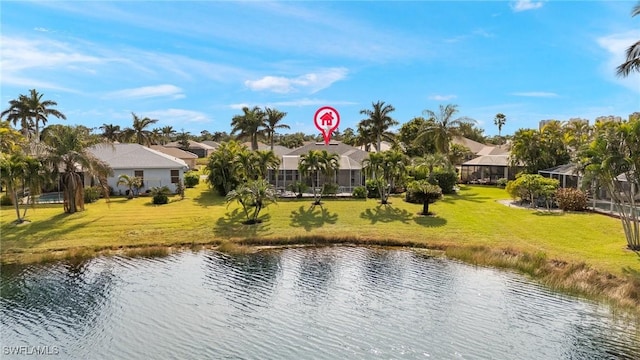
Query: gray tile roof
x: 175, y: 152
x: 134, y: 156
x: 489, y: 160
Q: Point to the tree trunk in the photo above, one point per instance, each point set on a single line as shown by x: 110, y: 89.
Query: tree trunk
x: 14, y: 193
x: 425, y: 208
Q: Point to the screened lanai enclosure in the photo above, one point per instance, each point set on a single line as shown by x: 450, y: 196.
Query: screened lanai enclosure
x: 487, y: 169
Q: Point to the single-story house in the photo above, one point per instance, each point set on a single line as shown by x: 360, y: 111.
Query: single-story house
x: 348, y: 177
x: 186, y: 156
x: 200, y: 149
x: 155, y: 168
x: 566, y: 174
x: 487, y: 169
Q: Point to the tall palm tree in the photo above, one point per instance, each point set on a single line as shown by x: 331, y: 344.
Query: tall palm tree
x: 67, y: 155
x: 499, y: 121
x: 443, y: 127
x: 167, y: 134
x: 224, y: 173
x: 41, y: 110
x: 18, y: 112
x: 633, y: 52
x: 274, y: 116
x: 138, y: 132
x: 20, y: 171
x: 249, y: 125
x: 365, y: 136
x: 111, y: 132
x: 379, y: 121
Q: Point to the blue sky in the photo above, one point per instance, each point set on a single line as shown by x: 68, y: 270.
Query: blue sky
x: 193, y: 65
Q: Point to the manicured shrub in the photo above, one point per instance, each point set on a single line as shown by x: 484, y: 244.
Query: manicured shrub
x: 372, y: 189
x: 92, y: 194
x: 502, y: 183
x: 160, y: 199
x: 298, y: 188
x: 533, y: 188
x: 569, y: 199
x: 6, y: 200
x: 445, y: 179
x: 160, y: 195
x: 330, y: 189
x: 359, y: 192
x: 191, y: 179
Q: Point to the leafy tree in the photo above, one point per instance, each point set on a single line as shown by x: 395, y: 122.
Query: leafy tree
x: 443, y: 127
x: 470, y: 131
x: 20, y: 171
x: 379, y: 121
x: 348, y: 137
x: 613, y: 161
x: 138, y: 132
x: 256, y: 195
x: 632, y: 62
x: 272, y: 123
x: 459, y: 153
x: 133, y: 183
x: 249, y: 125
x: 408, y: 134
x: 68, y: 149
x: 10, y: 140
x: 538, y: 150
x: 191, y: 179
x: 386, y: 169
x: 424, y: 192
x: 531, y: 187
x: 292, y: 141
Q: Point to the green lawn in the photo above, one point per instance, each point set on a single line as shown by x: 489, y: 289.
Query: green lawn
x: 471, y: 218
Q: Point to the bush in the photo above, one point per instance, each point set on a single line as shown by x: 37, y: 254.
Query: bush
x: 372, y: 189
x: 191, y: 179
x: 92, y: 194
x: 160, y: 195
x: 446, y: 179
x: 6, y: 200
x: 330, y: 189
x: 298, y: 188
x: 502, y: 183
x: 569, y: 199
x: 359, y: 192
x: 533, y: 188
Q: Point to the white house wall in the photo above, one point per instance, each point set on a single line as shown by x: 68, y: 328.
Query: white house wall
x: 152, y: 178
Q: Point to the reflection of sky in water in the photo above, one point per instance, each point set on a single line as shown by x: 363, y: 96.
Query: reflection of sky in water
x: 301, y: 303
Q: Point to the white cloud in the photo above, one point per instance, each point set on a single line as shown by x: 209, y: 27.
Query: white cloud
x: 239, y: 106
x: 524, y: 5
x: 616, y: 46
x: 41, y: 29
x: 311, y: 82
x: 442, y: 97
x: 544, y: 94
x: 311, y: 102
x: 176, y: 117
x: 164, y: 90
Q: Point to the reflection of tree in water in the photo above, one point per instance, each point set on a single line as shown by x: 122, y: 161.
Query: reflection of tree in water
x: 246, y: 279
x: 68, y: 295
x: 315, y: 273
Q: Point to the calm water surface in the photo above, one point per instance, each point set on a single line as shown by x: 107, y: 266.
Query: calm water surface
x: 319, y: 303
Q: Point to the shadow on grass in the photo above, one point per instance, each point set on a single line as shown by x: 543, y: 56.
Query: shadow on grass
x: 231, y: 225
x: 29, y: 235
x: 209, y: 198
x: 430, y: 221
x: 464, y: 194
x: 313, y: 217
x: 385, y: 214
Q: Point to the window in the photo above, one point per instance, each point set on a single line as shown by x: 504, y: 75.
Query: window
x: 175, y: 176
x: 139, y: 174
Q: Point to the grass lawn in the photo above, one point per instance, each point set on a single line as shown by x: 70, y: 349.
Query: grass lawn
x: 472, y: 218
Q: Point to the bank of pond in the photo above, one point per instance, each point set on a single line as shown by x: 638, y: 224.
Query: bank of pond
x: 301, y: 302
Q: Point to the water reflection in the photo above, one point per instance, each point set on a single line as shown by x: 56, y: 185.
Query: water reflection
x: 321, y: 303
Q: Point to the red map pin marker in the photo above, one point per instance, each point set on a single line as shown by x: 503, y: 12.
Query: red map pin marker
x: 327, y: 120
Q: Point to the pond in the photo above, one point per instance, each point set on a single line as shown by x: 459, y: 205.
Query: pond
x: 301, y: 303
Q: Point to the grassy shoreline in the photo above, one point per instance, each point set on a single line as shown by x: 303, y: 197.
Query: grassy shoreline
x: 579, y: 253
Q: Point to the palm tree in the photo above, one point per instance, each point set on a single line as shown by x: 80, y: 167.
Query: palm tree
x: 633, y: 52
x: 167, y: 133
x: 379, y: 121
x: 274, y: 116
x: 131, y: 182
x: 265, y: 161
x: 499, y: 121
x: 443, y: 127
x: 68, y: 154
x: 18, y: 112
x: 20, y: 171
x: 256, y: 194
x: 386, y: 168
x: 41, y: 110
x: 138, y: 131
x: 249, y: 125
x: 431, y: 161
x: 111, y: 132
x: 224, y: 172
x: 317, y: 162
x: 365, y: 136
